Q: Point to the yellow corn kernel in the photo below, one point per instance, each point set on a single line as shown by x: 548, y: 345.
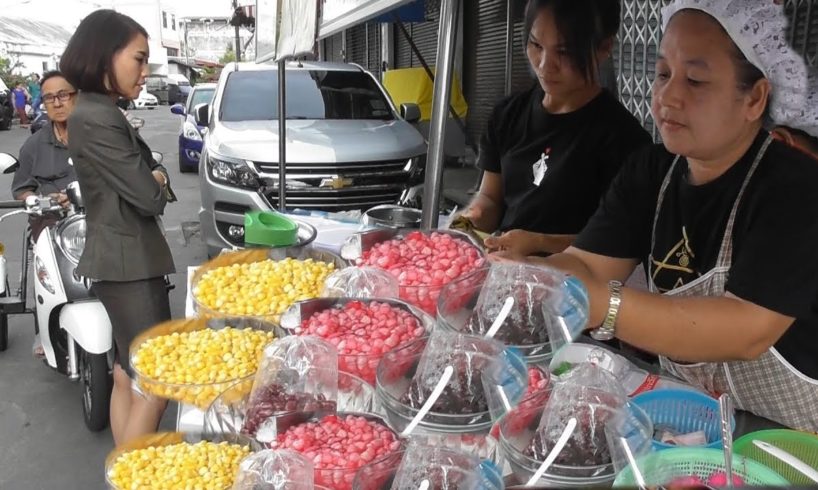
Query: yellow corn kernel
x: 264, y: 288
x: 194, y: 367
x: 204, y: 465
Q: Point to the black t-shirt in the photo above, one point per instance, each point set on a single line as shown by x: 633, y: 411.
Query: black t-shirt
x: 583, y: 151
x: 775, y: 236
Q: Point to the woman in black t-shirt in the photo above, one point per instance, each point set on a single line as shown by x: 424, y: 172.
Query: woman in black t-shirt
x: 723, y: 217
x: 549, y: 153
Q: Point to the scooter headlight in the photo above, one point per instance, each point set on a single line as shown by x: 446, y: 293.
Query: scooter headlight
x: 71, y: 240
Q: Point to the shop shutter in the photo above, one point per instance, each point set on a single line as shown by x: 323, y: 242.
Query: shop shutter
x: 374, y: 61
x: 424, y: 34
x: 484, y: 54
x: 356, y: 44
x: 333, y: 48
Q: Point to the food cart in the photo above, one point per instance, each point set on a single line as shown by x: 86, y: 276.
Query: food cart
x: 288, y: 29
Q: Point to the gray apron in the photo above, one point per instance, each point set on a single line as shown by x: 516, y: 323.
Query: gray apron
x: 767, y: 386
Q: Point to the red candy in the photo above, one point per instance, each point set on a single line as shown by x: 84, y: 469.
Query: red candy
x: 423, y: 264
x: 363, y: 333
x: 338, y: 446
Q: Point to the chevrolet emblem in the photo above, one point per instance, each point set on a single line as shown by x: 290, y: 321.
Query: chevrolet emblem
x: 336, y: 183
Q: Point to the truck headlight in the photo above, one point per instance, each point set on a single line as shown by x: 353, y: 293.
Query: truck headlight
x: 71, y: 240
x: 191, y: 132
x: 235, y: 173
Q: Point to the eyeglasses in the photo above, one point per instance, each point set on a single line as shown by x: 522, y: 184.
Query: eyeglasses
x: 63, y: 96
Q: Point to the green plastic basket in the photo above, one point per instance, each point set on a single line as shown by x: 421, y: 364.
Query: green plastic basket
x: 270, y: 229
x: 660, y: 468
x: 802, y: 445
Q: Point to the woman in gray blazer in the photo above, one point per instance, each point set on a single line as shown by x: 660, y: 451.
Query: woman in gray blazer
x: 125, y: 191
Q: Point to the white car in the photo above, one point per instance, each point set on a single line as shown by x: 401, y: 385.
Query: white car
x: 145, y: 100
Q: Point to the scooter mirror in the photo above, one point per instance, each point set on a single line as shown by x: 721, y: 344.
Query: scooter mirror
x: 158, y: 157
x: 8, y: 164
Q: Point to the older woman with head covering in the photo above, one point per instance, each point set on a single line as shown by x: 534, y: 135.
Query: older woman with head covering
x: 723, y: 217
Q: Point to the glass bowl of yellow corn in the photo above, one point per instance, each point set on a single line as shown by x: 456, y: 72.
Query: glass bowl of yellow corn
x: 261, y: 283
x: 172, y: 460
x: 193, y: 361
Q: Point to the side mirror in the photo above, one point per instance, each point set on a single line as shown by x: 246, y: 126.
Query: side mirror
x: 178, y: 109
x: 410, y: 112
x: 202, y: 114
x: 8, y: 164
x: 158, y: 157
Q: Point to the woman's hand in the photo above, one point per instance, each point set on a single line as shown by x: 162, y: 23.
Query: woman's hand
x: 516, y: 242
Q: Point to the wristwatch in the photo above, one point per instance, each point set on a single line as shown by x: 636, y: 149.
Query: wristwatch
x: 608, y: 329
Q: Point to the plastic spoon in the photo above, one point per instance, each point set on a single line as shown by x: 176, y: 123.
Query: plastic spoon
x: 501, y: 317
x: 427, y: 405
x: 726, y: 411
x: 640, y: 480
x: 555, y: 451
x: 788, y: 458
x: 424, y: 485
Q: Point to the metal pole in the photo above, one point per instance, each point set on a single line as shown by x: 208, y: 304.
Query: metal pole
x: 440, y: 105
x: 509, y: 44
x: 238, y: 36
x: 282, y: 134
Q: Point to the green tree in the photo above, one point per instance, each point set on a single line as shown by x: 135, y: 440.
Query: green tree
x: 229, y: 56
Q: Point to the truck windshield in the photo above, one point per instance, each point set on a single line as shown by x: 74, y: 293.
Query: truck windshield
x: 311, y: 94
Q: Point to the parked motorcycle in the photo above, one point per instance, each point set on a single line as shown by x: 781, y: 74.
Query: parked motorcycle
x: 74, y: 327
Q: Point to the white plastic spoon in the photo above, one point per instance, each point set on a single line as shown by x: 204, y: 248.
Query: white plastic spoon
x: 501, y: 317
x: 427, y: 405
x: 555, y: 451
x: 788, y: 458
x: 424, y: 485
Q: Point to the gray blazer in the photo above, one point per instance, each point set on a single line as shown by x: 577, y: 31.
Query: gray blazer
x: 113, y: 165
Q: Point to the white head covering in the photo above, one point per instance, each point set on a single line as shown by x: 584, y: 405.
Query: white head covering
x: 758, y: 27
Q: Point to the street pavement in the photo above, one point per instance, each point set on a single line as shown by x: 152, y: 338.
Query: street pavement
x: 43, y: 441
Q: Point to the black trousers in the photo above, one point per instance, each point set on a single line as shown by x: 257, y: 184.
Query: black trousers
x: 133, y: 307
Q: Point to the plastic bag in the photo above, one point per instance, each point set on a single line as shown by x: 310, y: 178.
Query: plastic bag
x: 570, y: 312
x: 487, y: 376
x: 295, y: 374
x: 360, y: 282
x: 274, y: 470
x: 445, y: 469
x: 592, y: 396
x: 530, y: 288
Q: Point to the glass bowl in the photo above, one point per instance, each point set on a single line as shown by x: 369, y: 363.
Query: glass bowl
x: 255, y: 255
x: 200, y: 395
x: 448, y: 469
x: 361, y: 365
x: 423, y: 296
x: 338, y: 478
x: 517, y: 430
x: 226, y: 413
x: 468, y: 432
x: 458, y: 310
x: 170, y: 438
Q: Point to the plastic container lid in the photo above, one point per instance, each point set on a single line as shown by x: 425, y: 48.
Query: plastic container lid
x: 270, y: 229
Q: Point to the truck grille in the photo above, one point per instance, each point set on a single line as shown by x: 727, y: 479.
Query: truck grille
x: 359, y: 185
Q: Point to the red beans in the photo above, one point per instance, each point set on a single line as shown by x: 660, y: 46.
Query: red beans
x: 273, y: 399
x: 363, y: 333
x: 423, y: 264
x: 338, y: 446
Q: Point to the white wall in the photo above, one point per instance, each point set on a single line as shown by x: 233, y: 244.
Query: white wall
x: 149, y: 15
x: 171, y: 38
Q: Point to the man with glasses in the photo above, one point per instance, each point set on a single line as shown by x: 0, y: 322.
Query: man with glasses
x: 45, y: 167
